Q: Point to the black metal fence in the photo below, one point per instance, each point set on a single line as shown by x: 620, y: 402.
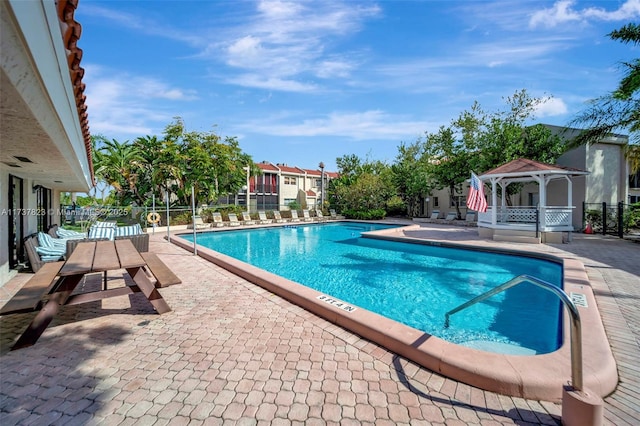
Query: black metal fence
x: 610, y: 219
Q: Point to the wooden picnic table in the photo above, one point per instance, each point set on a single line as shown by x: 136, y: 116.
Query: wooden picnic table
x: 88, y: 257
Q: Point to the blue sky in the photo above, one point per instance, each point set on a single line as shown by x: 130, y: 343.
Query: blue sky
x: 302, y: 82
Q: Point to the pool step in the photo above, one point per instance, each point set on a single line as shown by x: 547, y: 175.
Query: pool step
x: 498, y: 347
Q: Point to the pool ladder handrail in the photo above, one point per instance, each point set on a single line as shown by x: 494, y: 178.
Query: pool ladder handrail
x: 574, y: 315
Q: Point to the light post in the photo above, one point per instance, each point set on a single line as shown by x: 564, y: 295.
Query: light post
x: 153, y: 208
x: 168, y: 199
x: 248, y: 169
x: 321, y: 185
x: 193, y: 220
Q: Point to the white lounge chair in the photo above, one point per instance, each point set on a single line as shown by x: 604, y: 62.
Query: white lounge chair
x: 451, y: 216
x: 435, y: 214
x: 320, y: 217
x: 294, y: 216
x: 263, y: 217
x: 217, y: 220
x: 199, y: 223
x: 305, y: 216
x: 246, y: 219
x: 278, y: 217
x: 233, y: 220
x: 333, y: 214
x: 471, y: 217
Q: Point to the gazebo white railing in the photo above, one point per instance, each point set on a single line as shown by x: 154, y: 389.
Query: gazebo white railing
x: 547, y: 219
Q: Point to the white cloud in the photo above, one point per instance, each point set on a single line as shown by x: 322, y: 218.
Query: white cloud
x: 563, y: 12
x: 287, y: 41
x: 119, y: 104
x: 367, y: 125
x: 551, y: 107
x: 272, y: 83
x: 140, y: 23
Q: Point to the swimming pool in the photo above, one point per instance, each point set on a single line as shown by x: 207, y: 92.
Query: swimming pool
x: 410, y: 283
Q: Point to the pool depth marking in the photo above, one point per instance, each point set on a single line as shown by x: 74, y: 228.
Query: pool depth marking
x: 337, y: 303
x: 579, y: 299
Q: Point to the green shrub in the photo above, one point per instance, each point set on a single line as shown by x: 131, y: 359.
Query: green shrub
x: 373, y: 214
x: 182, y: 219
x: 294, y: 205
x: 631, y: 217
x: 396, y: 206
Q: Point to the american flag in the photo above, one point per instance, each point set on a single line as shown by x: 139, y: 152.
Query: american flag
x: 475, y: 199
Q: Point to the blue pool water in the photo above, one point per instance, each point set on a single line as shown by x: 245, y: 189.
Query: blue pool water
x: 411, y: 283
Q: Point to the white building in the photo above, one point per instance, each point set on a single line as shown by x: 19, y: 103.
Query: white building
x: 279, y: 185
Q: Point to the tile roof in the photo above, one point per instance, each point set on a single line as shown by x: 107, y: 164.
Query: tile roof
x: 267, y: 166
x: 524, y: 165
x: 71, y: 31
x: 288, y: 169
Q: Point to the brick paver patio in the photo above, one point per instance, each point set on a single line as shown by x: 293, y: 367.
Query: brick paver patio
x: 233, y: 353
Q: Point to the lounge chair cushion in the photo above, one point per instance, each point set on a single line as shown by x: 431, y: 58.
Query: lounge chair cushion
x: 47, y: 241
x: 127, y: 231
x: 69, y: 234
x: 50, y: 253
x: 49, y: 258
x: 102, y: 232
x: 100, y: 224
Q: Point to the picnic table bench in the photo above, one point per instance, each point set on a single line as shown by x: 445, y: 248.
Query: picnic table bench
x: 46, y: 294
x: 29, y: 297
x: 164, y: 276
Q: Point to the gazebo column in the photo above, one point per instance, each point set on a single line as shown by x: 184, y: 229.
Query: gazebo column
x: 542, y: 184
x: 494, y: 202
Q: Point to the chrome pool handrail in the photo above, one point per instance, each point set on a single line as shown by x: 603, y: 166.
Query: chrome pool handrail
x: 574, y: 315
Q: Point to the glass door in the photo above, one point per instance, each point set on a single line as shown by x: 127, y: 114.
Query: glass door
x: 15, y: 220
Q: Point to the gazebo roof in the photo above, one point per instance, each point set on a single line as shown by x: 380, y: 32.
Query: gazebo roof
x: 523, y: 167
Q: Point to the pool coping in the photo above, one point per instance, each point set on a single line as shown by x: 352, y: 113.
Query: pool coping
x: 539, y: 377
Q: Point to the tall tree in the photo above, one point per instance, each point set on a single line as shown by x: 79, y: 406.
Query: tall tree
x: 619, y: 110
x: 450, y: 162
x: 411, y: 176
x: 362, y: 185
x: 212, y: 165
x: 479, y: 141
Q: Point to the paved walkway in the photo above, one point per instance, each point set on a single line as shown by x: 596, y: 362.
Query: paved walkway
x: 232, y: 353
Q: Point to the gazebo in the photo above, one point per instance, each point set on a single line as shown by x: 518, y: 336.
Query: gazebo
x: 542, y: 222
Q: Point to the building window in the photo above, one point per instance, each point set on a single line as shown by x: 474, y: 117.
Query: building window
x: 462, y: 200
x: 318, y: 183
x: 634, y: 199
x: 43, y: 205
x: 436, y: 202
x: 634, y: 180
x: 289, y: 180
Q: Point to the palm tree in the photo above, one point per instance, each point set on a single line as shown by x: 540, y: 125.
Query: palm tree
x: 119, y: 165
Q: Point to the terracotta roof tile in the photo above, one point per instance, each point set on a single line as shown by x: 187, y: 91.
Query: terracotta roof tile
x: 267, y: 166
x: 71, y: 31
x: 288, y: 169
